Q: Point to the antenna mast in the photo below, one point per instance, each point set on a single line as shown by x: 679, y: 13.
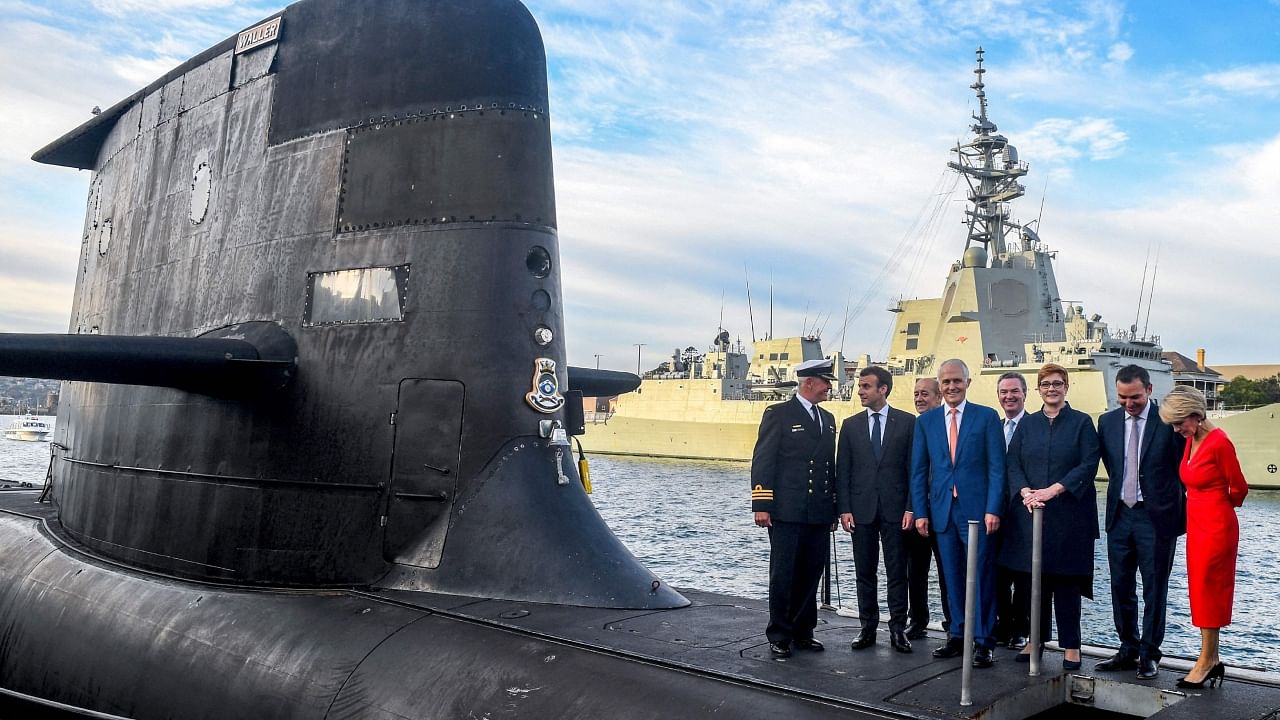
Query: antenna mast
x: 991, y: 167
x: 1151, y: 294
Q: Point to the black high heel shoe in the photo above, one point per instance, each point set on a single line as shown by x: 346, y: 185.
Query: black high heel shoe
x: 1216, y: 676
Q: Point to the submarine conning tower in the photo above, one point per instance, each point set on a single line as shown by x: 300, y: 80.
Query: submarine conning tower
x: 370, y: 189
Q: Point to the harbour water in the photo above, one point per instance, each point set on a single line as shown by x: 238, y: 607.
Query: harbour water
x: 21, y: 460
x: 690, y: 522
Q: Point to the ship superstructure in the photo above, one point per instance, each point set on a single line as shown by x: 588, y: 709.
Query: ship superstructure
x: 1000, y: 308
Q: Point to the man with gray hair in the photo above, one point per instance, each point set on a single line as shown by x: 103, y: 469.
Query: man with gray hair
x: 957, y: 476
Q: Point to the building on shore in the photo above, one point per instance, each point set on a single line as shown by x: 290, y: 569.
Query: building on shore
x: 1198, y: 375
x: 1249, y: 372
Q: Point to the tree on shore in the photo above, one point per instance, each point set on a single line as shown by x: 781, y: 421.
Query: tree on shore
x: 1242, y: 391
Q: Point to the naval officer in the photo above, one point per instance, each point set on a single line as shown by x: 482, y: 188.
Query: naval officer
x: 793, y: 495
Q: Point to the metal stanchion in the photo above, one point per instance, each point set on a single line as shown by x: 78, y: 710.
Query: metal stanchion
x: 1037, y: 550
x: 970, y: 610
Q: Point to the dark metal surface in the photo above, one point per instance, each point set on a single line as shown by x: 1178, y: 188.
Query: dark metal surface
x: 317, y: 484
x: 224, y: 363
x: 453, y: 174
x: 395, y: 58
x: 593, y: 382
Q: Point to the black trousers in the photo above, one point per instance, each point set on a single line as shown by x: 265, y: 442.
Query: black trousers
x: 1013, y: 604
x: 1059, y: 596
x: 797, y: 559
x: 868, y: 539
x: 919, y: 551
x: 1133, y: 546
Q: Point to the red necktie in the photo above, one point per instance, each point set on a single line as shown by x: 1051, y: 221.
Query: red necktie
x: 953, y: 432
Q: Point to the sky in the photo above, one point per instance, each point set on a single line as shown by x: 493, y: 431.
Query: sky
x: 798, y: 147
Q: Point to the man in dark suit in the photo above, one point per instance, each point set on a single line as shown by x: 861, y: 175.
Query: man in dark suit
x: 873, y: 484
x: 793, y: 495
x: 1146, y: 512
x: 957, y: 476
x: 1013, y: 601
x: 927, y: 395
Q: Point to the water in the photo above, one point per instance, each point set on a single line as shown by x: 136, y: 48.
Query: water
x: 690, y: 522
x: 21, y: 460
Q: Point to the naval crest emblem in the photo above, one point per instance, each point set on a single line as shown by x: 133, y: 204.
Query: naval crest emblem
x: 545, y: 396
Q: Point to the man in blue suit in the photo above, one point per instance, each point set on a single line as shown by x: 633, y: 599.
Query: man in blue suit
x: 957, y: 475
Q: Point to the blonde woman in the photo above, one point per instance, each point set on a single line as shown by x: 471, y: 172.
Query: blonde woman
x: 1215, y: 487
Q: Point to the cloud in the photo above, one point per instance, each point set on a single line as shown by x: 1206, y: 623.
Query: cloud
x: 1261, y: 80
x: 1120, y: 53
x: 1055, y: 141
x: 127, y: 7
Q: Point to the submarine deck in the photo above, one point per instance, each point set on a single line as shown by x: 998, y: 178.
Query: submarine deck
x: 720, y: 639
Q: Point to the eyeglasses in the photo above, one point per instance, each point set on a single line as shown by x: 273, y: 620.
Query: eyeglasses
x: 1055, y: 384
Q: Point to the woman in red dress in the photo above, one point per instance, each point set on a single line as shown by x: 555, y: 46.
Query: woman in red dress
x: 1215, y: 487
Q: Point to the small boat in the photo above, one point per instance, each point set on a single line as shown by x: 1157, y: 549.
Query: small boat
x: 28, y: 427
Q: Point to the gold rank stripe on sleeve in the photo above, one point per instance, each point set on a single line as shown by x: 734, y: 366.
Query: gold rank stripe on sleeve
x: 760, y: 493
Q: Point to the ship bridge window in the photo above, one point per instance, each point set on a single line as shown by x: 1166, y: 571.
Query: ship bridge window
x: 358, y: 295
x: 784, y: 356
x: 913, y: 328
x: 913, y: 343
x: 773, y: 356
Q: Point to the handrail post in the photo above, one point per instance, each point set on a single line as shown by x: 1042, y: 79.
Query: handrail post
x: 970, y: 610
x: 1037, y: 552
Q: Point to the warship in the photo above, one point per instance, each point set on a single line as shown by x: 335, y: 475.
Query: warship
x: 1000, y: 311
x: 312, y: 456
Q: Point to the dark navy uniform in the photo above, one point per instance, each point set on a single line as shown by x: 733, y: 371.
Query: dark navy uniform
x: 793, y: 479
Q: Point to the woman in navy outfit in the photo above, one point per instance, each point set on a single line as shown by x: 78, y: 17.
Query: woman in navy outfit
x: 1052, y: 463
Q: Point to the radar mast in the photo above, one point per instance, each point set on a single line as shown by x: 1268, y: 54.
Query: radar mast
x: 991, y: 167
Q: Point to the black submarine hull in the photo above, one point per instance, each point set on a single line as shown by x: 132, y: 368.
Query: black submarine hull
x: 111, y: 640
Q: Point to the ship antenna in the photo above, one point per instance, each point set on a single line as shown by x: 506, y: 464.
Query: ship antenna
x: 1152, y: 292
x: 844, y: 329
x: 770, y: 306
x: 750, y: 315
x: 1146, y: 262
x: 803, y: 324
x: 720, y: 327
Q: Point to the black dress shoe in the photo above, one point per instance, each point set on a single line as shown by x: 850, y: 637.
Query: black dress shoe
x: 1119, y: 661
x: 1148, y: 668
x: 899, y: 641
x: 1017, y: 642
x: 982, y: 657
x: 780, y: 649
x: 866, y: 638
x: 917, y: 631
x: 1070, y: 664
x: 809, y: 644
x: 953, y: 648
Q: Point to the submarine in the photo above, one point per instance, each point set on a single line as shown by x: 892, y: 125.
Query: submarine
x: 312, y: 457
